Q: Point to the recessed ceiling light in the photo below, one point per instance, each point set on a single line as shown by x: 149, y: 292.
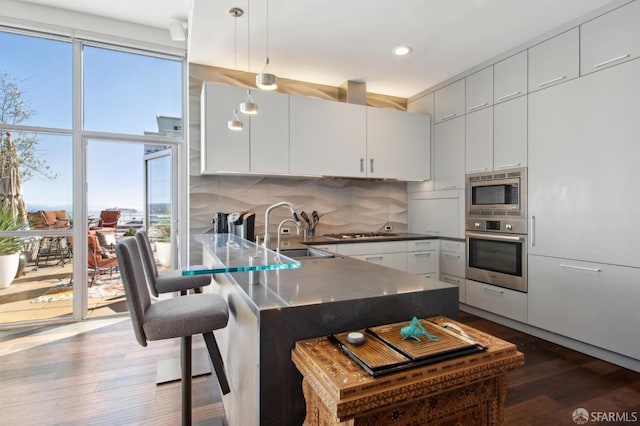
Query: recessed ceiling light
x: 401, y: 50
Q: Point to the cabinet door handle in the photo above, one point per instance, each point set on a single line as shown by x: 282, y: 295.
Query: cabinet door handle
x: 482, y: 169
x: 533, y: 231
x: 552, y: 81
x: 509, y: 95
x: 448, y: 187
x: 582, y: 268
x: 447, y: 117
x: 611, y: 60
x: 422, y: 243
x: 492, y: 291
x: 508, y: 166
x: 362, y: 165
x: 422, y: 255
x: 370, y: 258
x: 426, y: 231
x: 451, y: 280
x: 453, y: 256
x: 478, y: 106
x: 371, y: 165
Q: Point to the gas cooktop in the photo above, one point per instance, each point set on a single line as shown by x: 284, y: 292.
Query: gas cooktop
x: 359, y: 235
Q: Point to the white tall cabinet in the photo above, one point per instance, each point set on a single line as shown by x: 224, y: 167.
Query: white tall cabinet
x: 584, y: 168
x: 449, y: 152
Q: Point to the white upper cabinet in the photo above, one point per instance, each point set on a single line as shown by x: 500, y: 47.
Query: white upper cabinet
x: 423, y: 105
x: 327, y: 138
x: 479, y: 90
x: 262, y: 146
x: 270, y: 133
x: 610, y: 39
x: 554, y: 61
x: 510, y: 77
x: 222, y: 150
x: 449, y: 153
x: 449, y: 102
x: 510, y: 134
x: 479, y: 141
x: 398, y: 144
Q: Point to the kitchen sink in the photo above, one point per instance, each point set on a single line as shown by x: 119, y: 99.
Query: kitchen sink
x: 303, y: 253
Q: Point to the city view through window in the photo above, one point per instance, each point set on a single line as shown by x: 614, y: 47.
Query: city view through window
x: 130, y: 113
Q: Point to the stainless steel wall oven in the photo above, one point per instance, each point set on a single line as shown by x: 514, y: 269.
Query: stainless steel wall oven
x: 498, y: 259
x: 496, y: 228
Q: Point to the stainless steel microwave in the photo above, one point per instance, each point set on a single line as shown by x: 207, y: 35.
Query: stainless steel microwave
x: 495, y: 194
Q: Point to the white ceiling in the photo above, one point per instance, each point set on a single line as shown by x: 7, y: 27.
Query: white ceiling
x: 332, y: 41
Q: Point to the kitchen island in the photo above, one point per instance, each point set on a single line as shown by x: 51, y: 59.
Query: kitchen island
x: 325, y: 295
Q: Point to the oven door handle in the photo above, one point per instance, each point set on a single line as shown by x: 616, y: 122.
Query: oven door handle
x: 516, y: 238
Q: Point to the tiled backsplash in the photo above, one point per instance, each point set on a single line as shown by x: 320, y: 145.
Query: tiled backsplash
x: 344, y: 205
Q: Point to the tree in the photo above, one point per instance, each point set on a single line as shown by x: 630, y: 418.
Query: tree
x: 14, y: 110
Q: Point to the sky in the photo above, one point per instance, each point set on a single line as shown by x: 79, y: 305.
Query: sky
x: 122, y: 93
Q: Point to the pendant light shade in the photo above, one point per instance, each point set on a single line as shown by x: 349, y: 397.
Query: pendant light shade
x: 249, y: 107
x: 235, y: 123
x: 266, y: 80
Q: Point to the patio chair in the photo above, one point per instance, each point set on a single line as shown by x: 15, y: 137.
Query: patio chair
x: 99, y: 260
x: 49, y: 247
x: 181, y: 316
x: 56, y: 219
x: 108, y: 219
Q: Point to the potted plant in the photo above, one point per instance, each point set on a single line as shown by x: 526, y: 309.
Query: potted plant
x: 9, y: 248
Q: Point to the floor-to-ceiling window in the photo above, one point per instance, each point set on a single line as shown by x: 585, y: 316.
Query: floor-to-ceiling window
x: 78, y: 121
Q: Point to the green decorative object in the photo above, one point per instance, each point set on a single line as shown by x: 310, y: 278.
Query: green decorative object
x: 416, y: 329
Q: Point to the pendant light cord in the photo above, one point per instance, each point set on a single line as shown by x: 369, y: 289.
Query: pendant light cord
x: 235, y: 43
x: 248, y: 42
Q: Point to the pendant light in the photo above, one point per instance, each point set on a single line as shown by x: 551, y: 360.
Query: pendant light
x: 235, y: 123
x: 266, y: 80
x: 249, y: 107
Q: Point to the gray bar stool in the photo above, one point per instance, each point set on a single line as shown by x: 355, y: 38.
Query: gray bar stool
x: 181, y: 317
x: 170, y: 281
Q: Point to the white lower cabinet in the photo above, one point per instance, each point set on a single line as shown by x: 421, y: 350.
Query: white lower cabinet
x: 326, y: 247
x: 457, y: 281
x: 591, y: 302
x: 392, y: 254
x: 452, y: 265
x: 390, y: 260
x: 414, y: 256
x: 423, y: 259
x: 501, y: 301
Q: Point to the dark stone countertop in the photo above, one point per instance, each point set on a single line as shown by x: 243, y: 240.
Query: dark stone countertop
x: 322, y: 280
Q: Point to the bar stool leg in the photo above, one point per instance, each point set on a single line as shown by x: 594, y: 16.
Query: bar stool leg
x: 216, y: 359
x: 185, y: 355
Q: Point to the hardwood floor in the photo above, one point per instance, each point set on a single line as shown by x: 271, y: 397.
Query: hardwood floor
x: 95, y: 373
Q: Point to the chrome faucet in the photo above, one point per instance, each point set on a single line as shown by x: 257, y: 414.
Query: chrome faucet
x: 266, y: 219
x: 297, y: 224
